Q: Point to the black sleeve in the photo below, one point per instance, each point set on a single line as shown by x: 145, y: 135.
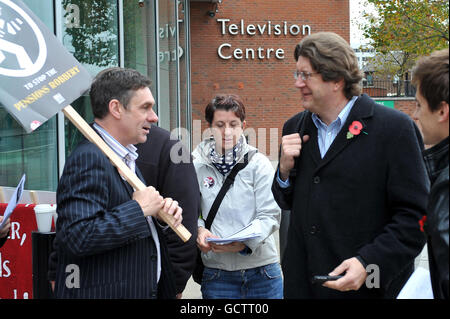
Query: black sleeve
x: 3, y: 240
x: 174, y: 176
x: 179, y: 182
x: 283, y: 196
x: 52, y: 262
x: 438, y: 235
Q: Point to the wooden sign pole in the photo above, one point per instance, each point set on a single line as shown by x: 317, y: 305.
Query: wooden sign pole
x: 124, y: 170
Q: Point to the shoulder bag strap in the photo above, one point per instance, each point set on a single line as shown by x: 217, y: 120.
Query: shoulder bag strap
x: 226, y: 185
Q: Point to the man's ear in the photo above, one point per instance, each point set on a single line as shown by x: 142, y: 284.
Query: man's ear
x: 115, y: 108
x: 443, y: 112
x: 338, y: 85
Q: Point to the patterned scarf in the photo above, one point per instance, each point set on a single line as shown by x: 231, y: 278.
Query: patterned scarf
x: 224, y: 163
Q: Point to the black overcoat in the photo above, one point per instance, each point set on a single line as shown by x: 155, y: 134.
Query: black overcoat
x: 166, y: 164
x: 364, y: 198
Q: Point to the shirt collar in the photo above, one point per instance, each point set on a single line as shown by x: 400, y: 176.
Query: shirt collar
x: 125, y: 152
x: 341, y: 118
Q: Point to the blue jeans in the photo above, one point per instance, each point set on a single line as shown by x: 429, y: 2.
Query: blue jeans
x: 263, y: 282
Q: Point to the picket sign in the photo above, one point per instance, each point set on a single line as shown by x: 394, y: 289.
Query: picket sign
x: 123, y: 169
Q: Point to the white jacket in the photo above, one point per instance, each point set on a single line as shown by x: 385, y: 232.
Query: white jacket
x: 249, y: 198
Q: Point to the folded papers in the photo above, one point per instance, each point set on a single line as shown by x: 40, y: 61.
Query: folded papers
x: 252, y: 230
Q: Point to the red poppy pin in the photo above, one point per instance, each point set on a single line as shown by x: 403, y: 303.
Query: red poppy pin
x: 355, y: 129
x: 208, y: 182
x: 422, y: 223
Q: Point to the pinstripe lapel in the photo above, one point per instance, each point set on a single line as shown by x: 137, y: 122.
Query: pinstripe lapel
x: 127, y: 185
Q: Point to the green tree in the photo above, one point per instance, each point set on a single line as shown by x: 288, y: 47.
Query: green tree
x: 402, y: 30
x: 94, y: 39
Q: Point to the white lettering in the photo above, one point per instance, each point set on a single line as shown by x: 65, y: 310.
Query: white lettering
x: 279, y: 53
x: 193, y: 309
x: 233, y: 29
x: 261, y: 53
x: 72, y: 16
x: 237, y: 53
x: 251, y: 29
x: 223, y: 21
x: 219, y: 51
x: 306, y: 30
x: 73, y: 279
x: 4, y: 267
x: 15, y: 226
x: 247, y: 51
x: 277, y: 29
x: 294, y: 26
x: 261, y: 29
x: 373, y: 276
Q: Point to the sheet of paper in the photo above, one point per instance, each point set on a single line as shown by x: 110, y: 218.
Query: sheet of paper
x: 14, y: 200
x: 418, y: 286
x: 252, y: 230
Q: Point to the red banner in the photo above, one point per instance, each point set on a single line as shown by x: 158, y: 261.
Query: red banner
x: 16, y: 267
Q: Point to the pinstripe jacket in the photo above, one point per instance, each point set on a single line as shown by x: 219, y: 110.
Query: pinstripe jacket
x: 104, y: 244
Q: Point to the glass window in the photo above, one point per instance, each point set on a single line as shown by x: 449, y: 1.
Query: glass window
x: 168, y: 86
x: 140, y: 40
x: 34, y: 154
x: 184, y: 68
x: 90, y: 33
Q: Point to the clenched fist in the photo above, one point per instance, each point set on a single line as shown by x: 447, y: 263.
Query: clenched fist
x: 291, y: 146
x: 149, y: 200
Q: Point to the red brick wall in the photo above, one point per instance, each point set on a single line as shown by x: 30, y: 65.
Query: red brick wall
x: 406, y: 106
x: 266, y: 86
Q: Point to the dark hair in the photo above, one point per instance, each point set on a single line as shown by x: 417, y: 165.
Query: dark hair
x: 115, y: 83
x: 332, y: 57
x: 227, y: 102
x: 430, y: 77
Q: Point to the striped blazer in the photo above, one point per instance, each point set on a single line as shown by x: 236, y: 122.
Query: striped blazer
x: 104, y: 245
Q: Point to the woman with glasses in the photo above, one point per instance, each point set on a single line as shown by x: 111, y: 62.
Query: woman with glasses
x: 240, y: 269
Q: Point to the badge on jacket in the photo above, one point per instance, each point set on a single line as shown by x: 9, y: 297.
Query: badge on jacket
x: 208, y: 182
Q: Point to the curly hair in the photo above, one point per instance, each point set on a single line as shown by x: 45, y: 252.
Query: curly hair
x: 332, y: 57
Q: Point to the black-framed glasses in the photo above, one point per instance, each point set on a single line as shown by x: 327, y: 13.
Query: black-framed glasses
x: 303, y: 75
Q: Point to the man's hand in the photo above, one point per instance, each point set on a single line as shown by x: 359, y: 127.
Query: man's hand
x: 4, y: 231
x: 354, y: 278
x: 149, y: 200
x: 291, y: 146
x: 171, y: 207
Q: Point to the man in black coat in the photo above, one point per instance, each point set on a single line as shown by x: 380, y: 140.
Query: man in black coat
x: 351, y: 173
x: 430, y: 76
x: 166, y: 165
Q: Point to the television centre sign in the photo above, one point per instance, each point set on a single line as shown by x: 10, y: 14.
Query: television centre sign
x: 227, y: 52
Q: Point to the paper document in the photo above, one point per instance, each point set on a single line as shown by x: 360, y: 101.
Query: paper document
x: 13, y: 201
x: 418, y: 286
x: 252, y: 230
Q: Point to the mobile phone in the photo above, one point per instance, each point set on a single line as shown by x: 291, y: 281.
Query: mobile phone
x: 322, y: 279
